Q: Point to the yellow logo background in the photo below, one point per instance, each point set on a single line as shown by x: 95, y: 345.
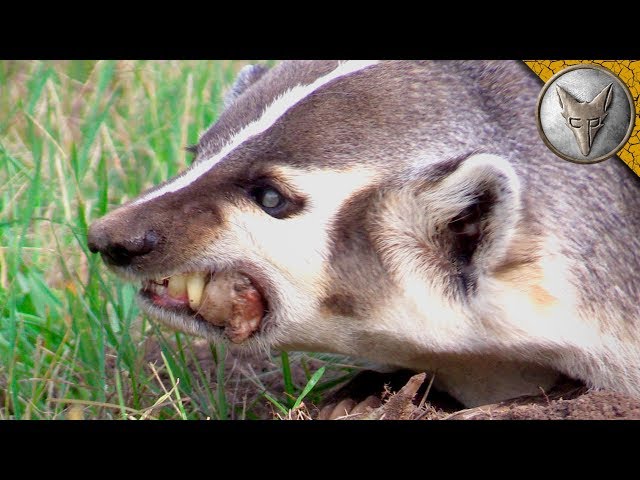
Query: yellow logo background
x: 629, y: 73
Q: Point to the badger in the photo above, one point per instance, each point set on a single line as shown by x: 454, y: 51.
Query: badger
x: 402, y: 212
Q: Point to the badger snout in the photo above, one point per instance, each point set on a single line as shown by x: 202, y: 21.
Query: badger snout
x: 120, y: 250
x: 161, y: 243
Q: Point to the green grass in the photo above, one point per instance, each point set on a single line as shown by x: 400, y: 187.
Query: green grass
x: 77, y: 139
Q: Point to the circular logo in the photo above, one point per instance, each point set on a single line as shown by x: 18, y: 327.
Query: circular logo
x: 585, y: 114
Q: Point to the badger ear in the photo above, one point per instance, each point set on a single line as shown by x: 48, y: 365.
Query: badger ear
x: 454, y: 220
x: 247, y: 76
x: 473, y: 212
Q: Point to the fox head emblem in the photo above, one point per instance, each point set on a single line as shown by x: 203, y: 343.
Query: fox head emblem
x: 585, y: 119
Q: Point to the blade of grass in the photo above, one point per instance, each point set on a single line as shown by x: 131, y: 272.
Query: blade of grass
x: 174, y: 383
x: 286, y: 375
x: 309, y: 386
x: 223, y: 406
x: 121, y: 402
x: 277, y: 404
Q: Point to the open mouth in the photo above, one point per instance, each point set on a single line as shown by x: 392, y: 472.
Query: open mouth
x: 226, y: 299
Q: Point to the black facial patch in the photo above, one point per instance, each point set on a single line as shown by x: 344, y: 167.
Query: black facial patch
x: 358, y: 278
x: 340, y: 304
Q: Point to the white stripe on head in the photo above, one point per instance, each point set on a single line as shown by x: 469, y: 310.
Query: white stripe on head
x: 269, y: 116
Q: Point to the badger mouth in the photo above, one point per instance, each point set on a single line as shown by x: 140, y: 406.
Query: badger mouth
x: 225, y: 299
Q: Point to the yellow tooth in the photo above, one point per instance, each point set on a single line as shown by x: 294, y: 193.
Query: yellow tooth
x: 177, y: 285
x: 195, y: 286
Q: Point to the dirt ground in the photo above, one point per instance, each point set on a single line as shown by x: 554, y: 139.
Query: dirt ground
x: 567, y: 401
x: 408, y: 397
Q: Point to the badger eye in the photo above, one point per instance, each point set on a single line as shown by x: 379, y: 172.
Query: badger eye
x: 269, y: 199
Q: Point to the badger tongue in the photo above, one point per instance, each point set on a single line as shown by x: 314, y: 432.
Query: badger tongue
x: 195, y: 284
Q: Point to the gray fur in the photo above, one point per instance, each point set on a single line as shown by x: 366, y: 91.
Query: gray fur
x: 247, y: 76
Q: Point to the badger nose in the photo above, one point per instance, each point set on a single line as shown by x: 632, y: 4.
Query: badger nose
x: 120, y: 251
